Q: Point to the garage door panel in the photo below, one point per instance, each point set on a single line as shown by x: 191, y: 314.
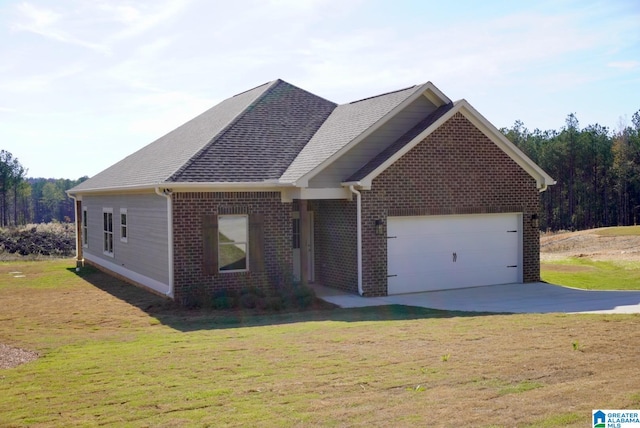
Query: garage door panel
x: 408, y: 263
x: 456, y: 251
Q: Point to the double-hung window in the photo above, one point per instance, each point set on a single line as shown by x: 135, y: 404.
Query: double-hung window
x: 233, y: 241
x: 124, y: 228
x: 107, y: 228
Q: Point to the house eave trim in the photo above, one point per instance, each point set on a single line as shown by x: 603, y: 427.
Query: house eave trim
x: 189, y: 186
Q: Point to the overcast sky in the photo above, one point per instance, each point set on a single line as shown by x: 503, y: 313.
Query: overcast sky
x: 84, y: 83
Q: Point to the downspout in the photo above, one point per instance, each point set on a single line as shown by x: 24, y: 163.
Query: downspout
x: 167, y: 194
x: 359, y: 235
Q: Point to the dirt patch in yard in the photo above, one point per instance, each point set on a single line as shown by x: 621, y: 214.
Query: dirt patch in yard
x: 12, y: 357
x: 592, y: 244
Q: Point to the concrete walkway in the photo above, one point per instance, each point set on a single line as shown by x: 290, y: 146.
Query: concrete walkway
x: 515, y: 298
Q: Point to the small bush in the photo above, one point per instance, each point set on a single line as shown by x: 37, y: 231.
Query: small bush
x: 274, y: 303
x: 252, y: 290
x: 292, y: 296
x: 224, y: 302
x: 248, y: 301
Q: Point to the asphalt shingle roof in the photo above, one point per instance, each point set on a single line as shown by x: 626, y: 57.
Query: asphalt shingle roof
x: 263, y: 141
x: 344, y: 124
x: 156, y: 162
x: 274, y: 132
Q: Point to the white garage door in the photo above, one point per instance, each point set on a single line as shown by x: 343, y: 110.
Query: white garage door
x: 453, y: 251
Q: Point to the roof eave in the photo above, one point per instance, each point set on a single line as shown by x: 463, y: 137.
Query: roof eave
x: 187, y: 186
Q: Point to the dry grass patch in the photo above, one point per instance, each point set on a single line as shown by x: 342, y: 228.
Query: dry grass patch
x: 114, y: 355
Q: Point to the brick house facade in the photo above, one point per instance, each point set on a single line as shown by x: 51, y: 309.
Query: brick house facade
x: 269, y: 156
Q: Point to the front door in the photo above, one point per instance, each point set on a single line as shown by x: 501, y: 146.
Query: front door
x: 296, y: 247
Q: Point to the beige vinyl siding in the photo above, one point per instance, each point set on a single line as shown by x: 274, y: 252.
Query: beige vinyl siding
x: 375, y: 143
x: 145, y: 251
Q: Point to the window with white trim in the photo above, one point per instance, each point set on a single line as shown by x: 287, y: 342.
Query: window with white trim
x: 107, y: 231
x: 233, y: 243
x: 124, y: 230
x: 85, y: 227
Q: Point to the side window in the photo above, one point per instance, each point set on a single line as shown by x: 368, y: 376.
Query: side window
x: 124, y: 228
x: 107, y: 228
x: 85, y: 228
x: 233, y: 242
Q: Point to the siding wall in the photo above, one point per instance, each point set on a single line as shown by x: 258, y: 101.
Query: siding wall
x: 190, y: 280
x: 456, y: 170
x: 145, y: 251
x: 366, y: 150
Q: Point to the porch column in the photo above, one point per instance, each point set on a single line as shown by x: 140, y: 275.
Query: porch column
x: 79, y: 237
x: 304, y: 241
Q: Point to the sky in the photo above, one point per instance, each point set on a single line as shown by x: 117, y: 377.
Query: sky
x: 84, y: 84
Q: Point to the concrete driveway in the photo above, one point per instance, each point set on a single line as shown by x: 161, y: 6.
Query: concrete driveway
x: 535, y: 297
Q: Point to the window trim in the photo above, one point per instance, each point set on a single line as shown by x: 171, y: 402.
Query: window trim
x: 85, y: 227
x: 220, y: 244
x: 107, y: 235
x: 124, y: 227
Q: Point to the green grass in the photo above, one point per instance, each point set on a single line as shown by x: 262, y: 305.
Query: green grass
x: 111, y: 354
x: 618, y: 231
x: 592, y: 275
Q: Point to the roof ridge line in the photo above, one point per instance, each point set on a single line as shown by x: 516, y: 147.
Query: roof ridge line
x: 224, y: 130
x: 255, y: 87
x: 382, y: 95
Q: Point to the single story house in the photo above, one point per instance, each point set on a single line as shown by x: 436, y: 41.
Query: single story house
x: 402, y: 192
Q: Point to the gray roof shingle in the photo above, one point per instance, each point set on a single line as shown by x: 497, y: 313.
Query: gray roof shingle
x: 156, y: 162
x: 344, y: 124
x: 275, y: 132
x: 263, y: 141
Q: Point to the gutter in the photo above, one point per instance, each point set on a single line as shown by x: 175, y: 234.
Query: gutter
x: 359, y: 235
x: 166, y: 193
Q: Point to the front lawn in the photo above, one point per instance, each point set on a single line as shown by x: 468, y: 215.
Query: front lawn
x: 591, y: 274
x: 111, y: 354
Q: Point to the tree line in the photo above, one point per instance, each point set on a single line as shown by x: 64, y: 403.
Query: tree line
x: 32, y: 200
x: 597, y: 173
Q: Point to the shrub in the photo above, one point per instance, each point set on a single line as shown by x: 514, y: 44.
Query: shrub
x: 50, y: 239
x: 249, y: 301
x: 291, y: 296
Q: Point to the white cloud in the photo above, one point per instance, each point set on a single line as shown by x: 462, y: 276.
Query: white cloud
x: 47, y: 23
x: 624, y: 65
x: 42, y: 81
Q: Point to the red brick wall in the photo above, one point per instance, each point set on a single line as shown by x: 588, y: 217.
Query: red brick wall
x: 335, y: 231
x: 188, y: 209
x: 456, y: 170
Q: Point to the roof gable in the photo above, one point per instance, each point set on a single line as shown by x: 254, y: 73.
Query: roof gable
x: 349, y: 124
x: 365, y: 175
